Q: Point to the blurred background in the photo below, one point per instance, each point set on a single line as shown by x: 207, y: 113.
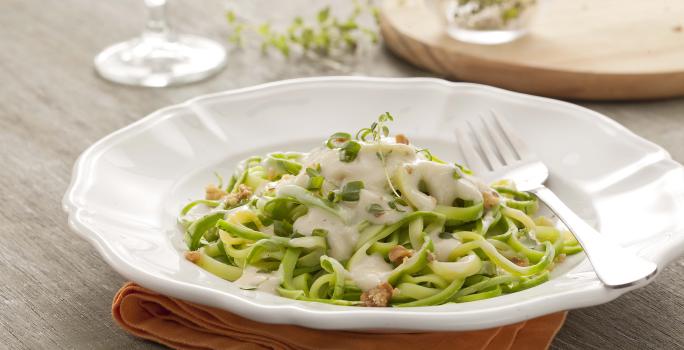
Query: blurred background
x: 54, y: 105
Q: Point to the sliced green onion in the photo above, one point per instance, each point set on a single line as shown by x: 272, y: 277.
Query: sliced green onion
x: 349, y: 151
x: 351, y: 191
x: 338, y: 140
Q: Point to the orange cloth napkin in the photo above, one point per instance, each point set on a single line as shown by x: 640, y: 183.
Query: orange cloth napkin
x: 183, y: 325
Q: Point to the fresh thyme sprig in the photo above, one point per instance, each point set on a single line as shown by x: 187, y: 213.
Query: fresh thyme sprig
x: 321, y: 35
x: 374, y: 134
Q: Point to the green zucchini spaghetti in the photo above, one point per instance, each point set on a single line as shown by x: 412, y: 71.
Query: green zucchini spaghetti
x: 371, y: 220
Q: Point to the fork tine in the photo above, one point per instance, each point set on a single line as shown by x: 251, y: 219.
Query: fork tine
x: 481, y: 139
x: 518, y: 145
x: 470, y: 155
x: 504, y: 149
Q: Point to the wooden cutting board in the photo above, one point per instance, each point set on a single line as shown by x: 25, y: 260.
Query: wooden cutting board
x: 577, y: 49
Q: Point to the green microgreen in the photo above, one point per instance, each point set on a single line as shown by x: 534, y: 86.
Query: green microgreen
x: 376, y: 209
x: 396, y: 203
x: 464, y: 169
x: 426, y: 152
x: 323, y: 34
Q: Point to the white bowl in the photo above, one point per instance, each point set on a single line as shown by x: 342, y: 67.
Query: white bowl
x: 128, y: 187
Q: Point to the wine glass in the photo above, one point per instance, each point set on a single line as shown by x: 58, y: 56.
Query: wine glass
x: 160, y: 57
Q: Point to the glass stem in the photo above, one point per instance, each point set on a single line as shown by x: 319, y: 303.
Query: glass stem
x: 156, y: 25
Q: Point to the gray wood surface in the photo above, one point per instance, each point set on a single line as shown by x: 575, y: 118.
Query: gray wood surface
x: 55, y: 290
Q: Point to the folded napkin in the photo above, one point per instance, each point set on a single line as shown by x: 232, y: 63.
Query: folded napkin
x: 183, y: 325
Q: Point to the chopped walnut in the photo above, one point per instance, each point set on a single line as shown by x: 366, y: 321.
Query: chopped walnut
x: 490, y: 199
x: 401, y: 138
x: 379, y: 296
x: 243, y: 192
x: 214, y: 193
x: 518, y: 261
x: 398, y: 253
x: 192, y: 256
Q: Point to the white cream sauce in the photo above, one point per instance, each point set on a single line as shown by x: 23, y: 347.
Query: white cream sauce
x: 444, y: 246
x: 251, y: 278
x: 359, y: 211
x: 369, y: 271
x: 341, y: 237
x: 440, y: 183
x: 367, y: 166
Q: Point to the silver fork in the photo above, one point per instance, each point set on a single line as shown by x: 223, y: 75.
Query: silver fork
x: 498, y: 152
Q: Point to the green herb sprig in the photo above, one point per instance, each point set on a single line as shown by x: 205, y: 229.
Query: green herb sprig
x: 374, y: 134
x: 321, y: 35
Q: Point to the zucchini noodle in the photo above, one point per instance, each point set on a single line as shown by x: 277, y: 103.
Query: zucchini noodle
x: 371, y: 220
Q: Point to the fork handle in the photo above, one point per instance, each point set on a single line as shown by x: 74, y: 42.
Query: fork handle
x: 615, y: 266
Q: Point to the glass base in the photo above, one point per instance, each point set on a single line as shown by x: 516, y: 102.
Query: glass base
x: 484, y: 37
x: 161, y: 60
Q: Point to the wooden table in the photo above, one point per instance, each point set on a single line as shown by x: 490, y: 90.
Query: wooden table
x: 55, y: 290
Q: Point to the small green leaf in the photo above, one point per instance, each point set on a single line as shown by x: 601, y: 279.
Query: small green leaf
x: 307, y: 37
x: 298, y: 21
x: 230, y: 16
x: 323, y: 14
x: 264, y: 30
x: 425, y: 152
x: 362, y: 134
x: 394, y: 204
x: 464, y: 169
x: 373, y: 126
x: 376, y: 209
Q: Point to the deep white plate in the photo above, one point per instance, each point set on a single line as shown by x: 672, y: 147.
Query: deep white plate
x: 128, y: 187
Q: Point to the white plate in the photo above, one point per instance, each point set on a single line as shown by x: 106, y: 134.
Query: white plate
x: 127, y: 188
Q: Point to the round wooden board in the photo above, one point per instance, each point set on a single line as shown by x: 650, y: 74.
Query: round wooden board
x: 577, y: 49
